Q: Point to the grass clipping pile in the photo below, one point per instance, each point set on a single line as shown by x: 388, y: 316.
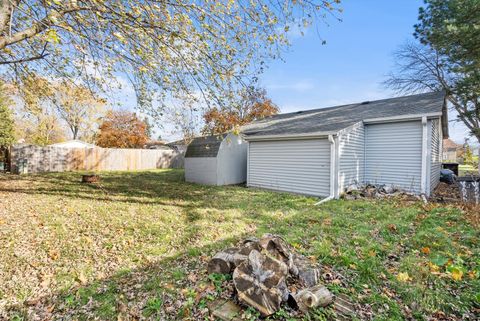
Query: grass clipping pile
x: 267, y: 273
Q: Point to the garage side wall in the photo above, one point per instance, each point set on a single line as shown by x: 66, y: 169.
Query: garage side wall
x: 232, y: 161
x: 351, y: 157
x: 299, y: 166
x: 393, y: 154
x: 201, y: 170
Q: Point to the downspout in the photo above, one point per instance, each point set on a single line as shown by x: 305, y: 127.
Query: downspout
x: 423, y: 179
x: 332, y: 171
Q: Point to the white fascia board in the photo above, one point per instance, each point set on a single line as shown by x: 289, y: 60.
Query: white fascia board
x: 401, y: 118
x: 290, y: 137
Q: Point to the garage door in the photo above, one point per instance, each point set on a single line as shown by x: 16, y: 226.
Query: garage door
x: 393, y: 154
x: 298, y: 166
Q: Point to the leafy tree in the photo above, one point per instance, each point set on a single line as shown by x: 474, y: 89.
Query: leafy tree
x: 148, y: 126
x: 197, y: 48
x: 447, y: 58
x: 37, y: 120
x: 122, y: 129
x: 468, y: 155
x: 254, y: 105
x: 6, y: 120
x: 78, y: 108
x: 452, y: 28
x: 185, y: 118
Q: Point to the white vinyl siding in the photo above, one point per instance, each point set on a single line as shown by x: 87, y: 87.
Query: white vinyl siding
x: 298, y: 166
x: 435, y: 154
x: 351, y: 157
x: 232, y: 161
x: 201, y: 170
x: 393, y: 154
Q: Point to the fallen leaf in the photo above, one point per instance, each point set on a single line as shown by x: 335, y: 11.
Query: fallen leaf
x: 82, y: 278
x: 456, y: 273
x: 403, y: 277
x: 426, y: 250
x: 53, y: 254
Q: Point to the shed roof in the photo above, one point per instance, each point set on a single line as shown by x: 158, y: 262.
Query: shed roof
x: 334, y: 119
x: 205, y: 146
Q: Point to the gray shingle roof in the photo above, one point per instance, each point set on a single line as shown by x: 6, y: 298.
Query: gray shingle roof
x: 334, y: 119
x: 205, y: 146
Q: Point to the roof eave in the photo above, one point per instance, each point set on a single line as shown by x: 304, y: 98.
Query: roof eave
x: 401, y: 118
x: 287, y: 137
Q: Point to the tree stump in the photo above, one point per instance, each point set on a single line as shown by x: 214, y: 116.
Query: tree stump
x: 90, y: 178
x: 260, y: 282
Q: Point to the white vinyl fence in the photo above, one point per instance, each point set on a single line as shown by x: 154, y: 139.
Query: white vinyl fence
x: 37, y: 159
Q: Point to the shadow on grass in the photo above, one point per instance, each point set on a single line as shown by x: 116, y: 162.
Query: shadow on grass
x: 173, y: 288
x: 163, y: 187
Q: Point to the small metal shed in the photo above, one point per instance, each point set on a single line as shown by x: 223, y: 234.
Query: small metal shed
x: 216, y: 160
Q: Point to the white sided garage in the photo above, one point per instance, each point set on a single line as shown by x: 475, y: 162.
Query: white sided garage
x: 322, y: 152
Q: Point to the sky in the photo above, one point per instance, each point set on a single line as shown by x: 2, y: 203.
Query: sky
x: 352, y: 64
x: 349, y: 68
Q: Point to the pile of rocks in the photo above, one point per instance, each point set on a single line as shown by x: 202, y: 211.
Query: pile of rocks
x: 354, y: 192
x: 267, y: 273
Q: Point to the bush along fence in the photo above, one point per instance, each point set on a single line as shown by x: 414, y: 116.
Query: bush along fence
x: 37, y: 159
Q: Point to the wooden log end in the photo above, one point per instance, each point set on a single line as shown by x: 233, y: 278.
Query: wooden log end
x: 310, y: 298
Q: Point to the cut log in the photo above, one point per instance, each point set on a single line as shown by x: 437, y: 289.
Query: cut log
x: 276, y: 247
x: 310, y: 298
x: 344, y: 307
x: 224, y: 262
x: 260, y: 282
x: 307, y: 273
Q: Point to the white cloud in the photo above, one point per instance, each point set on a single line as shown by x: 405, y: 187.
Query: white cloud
x: 299, y: 86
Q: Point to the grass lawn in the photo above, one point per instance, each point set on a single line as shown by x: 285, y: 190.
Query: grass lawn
x: 136, y: 247
x: 466, y: 170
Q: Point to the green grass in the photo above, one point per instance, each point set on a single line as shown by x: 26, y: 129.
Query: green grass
x: 137, y: 245
x: 465, y: 170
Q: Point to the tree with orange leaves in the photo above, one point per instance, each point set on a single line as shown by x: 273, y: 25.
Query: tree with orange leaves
x: 122, y: 129
x: 254, y: 105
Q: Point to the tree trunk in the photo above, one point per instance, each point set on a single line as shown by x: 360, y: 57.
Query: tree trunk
x: 478, y: 154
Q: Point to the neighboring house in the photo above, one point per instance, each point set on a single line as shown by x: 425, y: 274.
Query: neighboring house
x: 321, y: 152
x: 179, y: 145
x: 451, y: 151
x: 216, y: 160
x: 157, y: 144
x: 74, y: 143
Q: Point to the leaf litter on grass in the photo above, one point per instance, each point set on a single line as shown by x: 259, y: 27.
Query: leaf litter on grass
x: 137, y: 247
